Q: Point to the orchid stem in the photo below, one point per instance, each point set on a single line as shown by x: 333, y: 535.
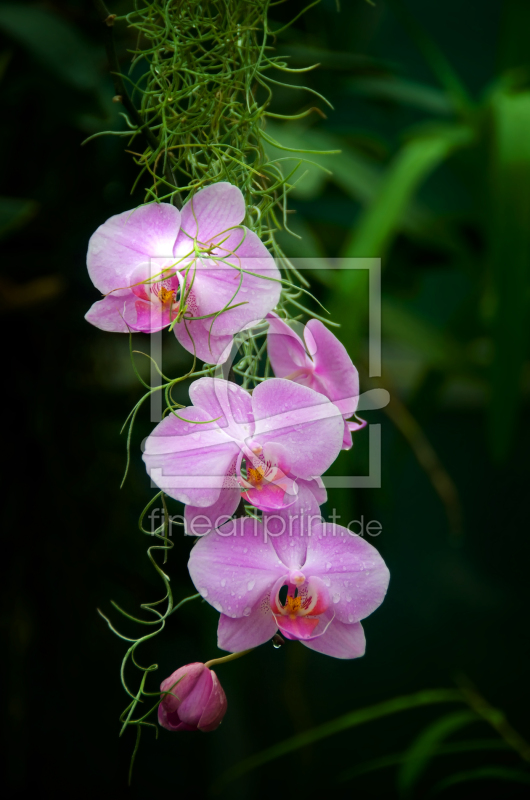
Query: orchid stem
x: 224, y: 659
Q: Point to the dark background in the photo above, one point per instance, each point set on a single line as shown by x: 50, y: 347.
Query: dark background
x: 454, y: 235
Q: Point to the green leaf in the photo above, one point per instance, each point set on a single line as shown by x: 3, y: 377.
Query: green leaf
x: 15, y: 212
x: 483, y: 773
x: 394, y: 760
x: 408, y: 93
x: 402, y: 325
x: 417, y: 159
x: 509, y: 256
x: 350, y: 720
x: 422, y: 750
x: 362, y: 178
x: 433, y: 55
x: 56, y: 44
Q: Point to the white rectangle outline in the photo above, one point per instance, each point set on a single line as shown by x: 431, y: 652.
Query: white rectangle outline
x: 373, y: 265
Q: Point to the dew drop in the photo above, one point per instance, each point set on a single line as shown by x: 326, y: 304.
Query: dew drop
x: 351, y: 618
x: 246, y: 611
x: 218, y: 607
x: 203, y: 592
x: 336, y: 597
x: 250, y: 585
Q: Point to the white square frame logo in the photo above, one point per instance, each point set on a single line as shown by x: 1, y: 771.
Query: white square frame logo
x: 370, y: 400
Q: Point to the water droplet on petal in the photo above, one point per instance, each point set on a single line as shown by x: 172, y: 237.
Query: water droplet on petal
x: 336, y: 597
x: 246, y: 611
x: 250, y: 585
x: 351, y: 618
x: 218, y: 606
x: 203, y: 592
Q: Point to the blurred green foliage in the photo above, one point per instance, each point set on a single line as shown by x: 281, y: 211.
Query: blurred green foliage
x: 432, y: 117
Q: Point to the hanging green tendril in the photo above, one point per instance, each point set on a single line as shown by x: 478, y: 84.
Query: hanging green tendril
x: 198, y: 93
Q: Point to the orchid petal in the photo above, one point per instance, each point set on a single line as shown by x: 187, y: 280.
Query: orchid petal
x: 200, y: 521
x: 114, y: 314
x: 191, y: 707
x: 234, y: 567
x: 317, y: 488
x: 243, y: 633
x: 305, y: 422
x: 219, y: 284
x: 215, y: 707
x: 212, y: 210
x: 190, y: 461
x: 127, y: 241
x: 227, y: 400
x: 289, y: 530
x: 286, y: 350
x: 333, y: 366
x: 353, y: 570
x: 207, y: 347
x: 340, y: 641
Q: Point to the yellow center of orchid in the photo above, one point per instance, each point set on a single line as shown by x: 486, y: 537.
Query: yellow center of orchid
x: 166, y: 295
x: 256, y: 476
x: 293, y: 606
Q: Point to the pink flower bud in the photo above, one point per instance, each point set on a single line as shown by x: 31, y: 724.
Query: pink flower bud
x: 196, y: 700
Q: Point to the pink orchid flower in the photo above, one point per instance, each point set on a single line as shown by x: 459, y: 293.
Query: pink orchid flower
x: 195, y: 700
x: 158, y: 266
x: 290, y: 572
x: 319, y: 361
x: 231, y: 444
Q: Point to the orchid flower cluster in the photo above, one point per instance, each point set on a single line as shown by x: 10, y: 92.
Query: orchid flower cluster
x: 246, y: 462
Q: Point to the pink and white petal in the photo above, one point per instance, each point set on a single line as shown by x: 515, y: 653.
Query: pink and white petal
x: 243, y: 633
x: 227, y: 399
x: 211, y: 211
x: 235, y: 567
x: 352, y: 569
x: 151, y: 317
x: 127, y: 241
x: 207, y: 347
x: 357, y: 424
x: 347, y: 440
x: 272, y: 497
x: 200, y: 521
x: 286, y: 350
x: 300, y: 628
x: 340, y: 641
x: 171, y: 720
x: 115, y: 314
x: 190, y: 461
x: 333, y: 366
x: 191, y: 708
x: 289, y: 530
x: 316, y: 486
x: 216, y: 706
x: 304, y: 421
x: 247, y: 275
